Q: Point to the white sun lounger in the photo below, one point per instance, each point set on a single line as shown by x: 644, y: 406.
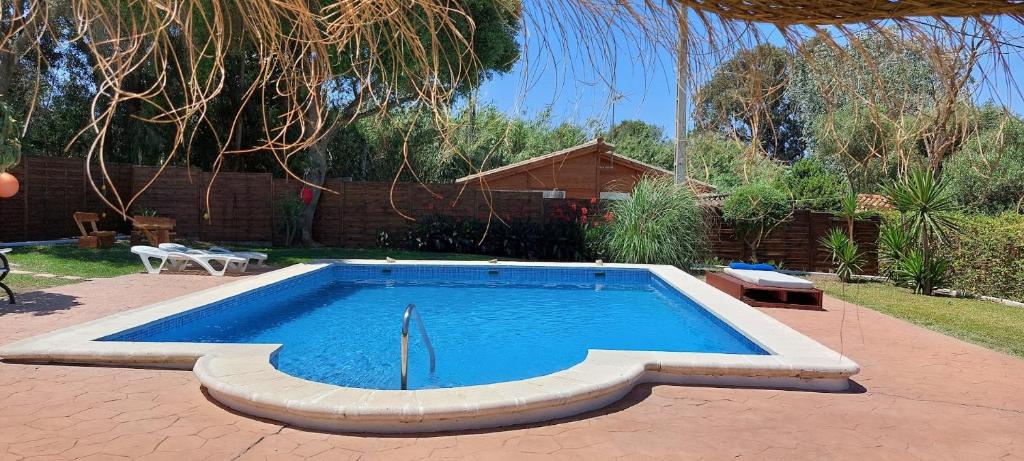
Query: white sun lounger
x: 254, y: 258
x: 769, y: 278
x: 175, y: 260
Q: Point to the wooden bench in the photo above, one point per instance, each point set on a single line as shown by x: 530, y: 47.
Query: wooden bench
x: 5, y: 268
x: 762, y: 296
x: 94, y: 238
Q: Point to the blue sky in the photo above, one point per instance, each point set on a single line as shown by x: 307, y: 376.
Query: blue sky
x: 647, y: 92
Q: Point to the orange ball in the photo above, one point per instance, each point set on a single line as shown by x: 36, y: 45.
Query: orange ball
x: 8, y: 185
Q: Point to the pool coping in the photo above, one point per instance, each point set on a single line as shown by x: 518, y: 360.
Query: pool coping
x: 242, y: 377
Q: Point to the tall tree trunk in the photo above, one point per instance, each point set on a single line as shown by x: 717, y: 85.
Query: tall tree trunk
x: 316, y: 175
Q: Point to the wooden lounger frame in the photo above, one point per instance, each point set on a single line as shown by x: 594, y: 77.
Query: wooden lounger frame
x: 762, y: 296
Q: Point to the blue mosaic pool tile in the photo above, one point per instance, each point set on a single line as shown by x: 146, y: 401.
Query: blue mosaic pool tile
x: 280, y: 289
x: 520, y: 275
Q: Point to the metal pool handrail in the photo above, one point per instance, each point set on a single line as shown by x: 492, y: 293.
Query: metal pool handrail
x: 410, y: 311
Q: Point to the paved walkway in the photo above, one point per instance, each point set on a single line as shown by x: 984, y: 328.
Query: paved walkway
x: 921, y: 395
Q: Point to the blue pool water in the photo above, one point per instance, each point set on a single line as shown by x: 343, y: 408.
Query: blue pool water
x: 341, y: 324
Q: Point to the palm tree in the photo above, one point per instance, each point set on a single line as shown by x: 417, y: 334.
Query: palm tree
x: 848, y: 211
x: 928, y: 208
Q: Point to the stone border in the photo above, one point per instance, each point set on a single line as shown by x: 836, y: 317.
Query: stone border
x: 241, y: 376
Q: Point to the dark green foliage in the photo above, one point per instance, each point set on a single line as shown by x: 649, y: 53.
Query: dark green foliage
x: 753, y: 211
x: 642, y: 141
x: 660, y: 223
x: 893, y: 243
x: 856, y: 140
x: 724, y: 103
x: 727, y: 163
x: 289, y: 217
x: 927, y: 210
x: 846, y: 256
x: 10, y: 142
x: 919, y: 273
x: 521, y: 239
x: 482, y: 138
x: 987, y: 257
x: 987, y: 174
x: 813, y: 185
x: 879, y: 67
x: 926, y: 204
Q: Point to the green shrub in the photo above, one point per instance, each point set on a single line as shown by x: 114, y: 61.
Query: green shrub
x: 10, y: 142
x: 815, y: 185
x: 753, y: 211
x: 289, y: 212
x: 727, y: 163
x: 927, y: 210
x: 846, y: 256
x: 894, y: 241
x: 660, y: 223
x: 987, y: 174
x: 987, y: 258
x: 919, y: 273
x: 560, y: 240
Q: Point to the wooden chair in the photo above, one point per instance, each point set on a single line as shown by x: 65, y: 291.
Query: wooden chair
x: 5, y: 268
x: 94, y: 238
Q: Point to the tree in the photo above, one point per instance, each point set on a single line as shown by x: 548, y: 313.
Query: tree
x: 642, y: 141
x: 870, y: 148
x: 928, y: 208
x: 987, y: 173
x: 491, y: 29
x: 876, y: 69
x: 753, y: 211
x: 814, y: 185
x: 727, y: 163
x: 747, y: 96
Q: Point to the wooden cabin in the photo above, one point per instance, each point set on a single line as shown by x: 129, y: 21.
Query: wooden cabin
x: 589, y: 170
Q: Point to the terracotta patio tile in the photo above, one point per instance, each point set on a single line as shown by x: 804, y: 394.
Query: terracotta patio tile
x: 924, y: 396
x: 133, y: 445
x: 184, y: 443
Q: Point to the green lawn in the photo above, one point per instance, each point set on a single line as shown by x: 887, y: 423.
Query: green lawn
x: 70, y: 260
x: 985, y: 323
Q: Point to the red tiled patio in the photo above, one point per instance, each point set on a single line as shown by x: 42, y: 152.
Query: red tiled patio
x: 921, y: 395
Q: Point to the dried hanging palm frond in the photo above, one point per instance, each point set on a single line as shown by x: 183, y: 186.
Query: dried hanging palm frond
x: 420, y: 53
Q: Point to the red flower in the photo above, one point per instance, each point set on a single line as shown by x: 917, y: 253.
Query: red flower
x: 584, y: 218
x: 584, y: 211
x: 593, y: 200
x: 609, y: 216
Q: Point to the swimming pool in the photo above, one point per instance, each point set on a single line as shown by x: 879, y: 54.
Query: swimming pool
x: 318, y: 345
x: 340, y: 325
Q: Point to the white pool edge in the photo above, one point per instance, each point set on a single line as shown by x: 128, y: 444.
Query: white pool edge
x: 242, y: 377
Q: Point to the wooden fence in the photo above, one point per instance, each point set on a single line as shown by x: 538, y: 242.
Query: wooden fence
x: 242, y: 209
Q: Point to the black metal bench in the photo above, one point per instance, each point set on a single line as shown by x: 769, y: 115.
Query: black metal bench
x: 5, y: 269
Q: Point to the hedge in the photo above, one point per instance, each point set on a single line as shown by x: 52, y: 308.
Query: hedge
x: 987, y: 256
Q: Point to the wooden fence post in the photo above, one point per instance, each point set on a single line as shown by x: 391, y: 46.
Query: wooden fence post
x: 273, y: 211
